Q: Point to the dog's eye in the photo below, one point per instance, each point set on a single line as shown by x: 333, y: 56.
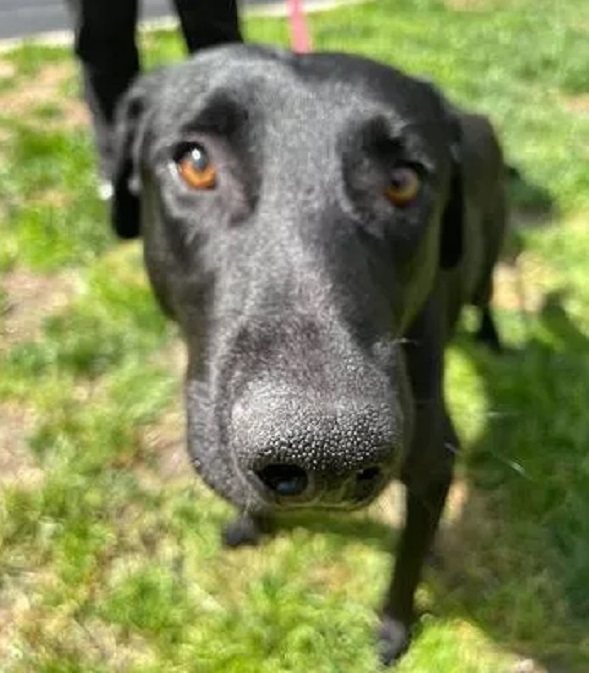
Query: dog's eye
x: 196, y: 168
x: 403, y: 186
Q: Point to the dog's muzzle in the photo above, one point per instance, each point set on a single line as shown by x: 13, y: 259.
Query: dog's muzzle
x: 297, y: 453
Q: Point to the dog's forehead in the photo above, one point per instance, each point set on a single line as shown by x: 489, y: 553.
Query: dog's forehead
x: 293, y: 87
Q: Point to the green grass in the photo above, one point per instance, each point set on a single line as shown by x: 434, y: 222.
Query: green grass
x: 112, y: 561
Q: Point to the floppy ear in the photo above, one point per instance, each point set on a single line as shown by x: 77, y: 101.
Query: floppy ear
x: 452, y: 232
x: 130, y: 125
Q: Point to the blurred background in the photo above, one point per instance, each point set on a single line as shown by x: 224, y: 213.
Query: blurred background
x: 110, y: 557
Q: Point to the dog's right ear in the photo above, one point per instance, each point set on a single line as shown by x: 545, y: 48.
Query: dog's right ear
x: 130, y: 125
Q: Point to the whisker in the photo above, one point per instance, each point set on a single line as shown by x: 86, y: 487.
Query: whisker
x: 452, y: 448
x: 405, y: 340
x: 518, y: 468
x: 502, y: 414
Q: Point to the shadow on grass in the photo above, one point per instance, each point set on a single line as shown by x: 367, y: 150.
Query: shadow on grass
x: 532, y: 203
x: 362, y: 526
x: 516, y: 561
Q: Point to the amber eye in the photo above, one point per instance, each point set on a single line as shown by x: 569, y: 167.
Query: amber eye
x: 403, y: 186
x: 196, y: 169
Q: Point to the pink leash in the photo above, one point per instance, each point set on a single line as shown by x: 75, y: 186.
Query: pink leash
x: 299, y: 33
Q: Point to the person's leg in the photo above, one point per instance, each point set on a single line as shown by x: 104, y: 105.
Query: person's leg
x: 208, y: 22
x: 105, y: 45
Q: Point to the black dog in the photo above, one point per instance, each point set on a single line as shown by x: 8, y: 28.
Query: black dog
x: 315, y: 224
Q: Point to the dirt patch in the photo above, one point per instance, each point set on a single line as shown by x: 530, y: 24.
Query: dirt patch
x: 13, y: 608
x: 48, y: 89
x: 25, y: 626
x: 517, y: 286
x: 7, y: 69
x: 109, y: 644
x: 390, y: 506
x: 578, y: 104
x: 30, y: 299
x: 166, y: 442
x: 17, y: 465
x: 54, y: 198
x: 74, y: 114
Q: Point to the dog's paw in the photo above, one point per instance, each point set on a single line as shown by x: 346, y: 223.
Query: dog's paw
x: 393, y: 639
x: 245, y: 531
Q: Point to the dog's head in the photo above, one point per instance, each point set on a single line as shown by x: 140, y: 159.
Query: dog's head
x: 295, y: 211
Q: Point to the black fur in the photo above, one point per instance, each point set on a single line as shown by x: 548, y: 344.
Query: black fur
x: 315, y: 311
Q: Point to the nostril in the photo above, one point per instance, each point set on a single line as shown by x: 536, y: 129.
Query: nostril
x: 284, y: 480
x: 366, y: 481
x: 368, y: 474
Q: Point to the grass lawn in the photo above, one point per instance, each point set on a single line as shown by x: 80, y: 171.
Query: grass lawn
x: 110, y: 557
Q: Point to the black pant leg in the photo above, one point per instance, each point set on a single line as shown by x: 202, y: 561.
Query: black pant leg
x: 105, y: 43
x: 208, y: 22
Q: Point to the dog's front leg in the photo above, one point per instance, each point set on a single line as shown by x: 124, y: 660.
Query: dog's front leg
x: 423, y: 511
x: 427, y: 475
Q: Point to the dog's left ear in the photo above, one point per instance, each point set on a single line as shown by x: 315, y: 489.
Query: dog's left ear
x: 130, y: 125
x: 452, y: 233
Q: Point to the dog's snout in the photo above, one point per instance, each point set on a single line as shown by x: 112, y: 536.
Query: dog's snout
x: 301, y: 454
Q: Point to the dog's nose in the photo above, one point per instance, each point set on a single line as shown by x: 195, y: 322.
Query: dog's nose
x: 298, y: 451
x: 290, y: 484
